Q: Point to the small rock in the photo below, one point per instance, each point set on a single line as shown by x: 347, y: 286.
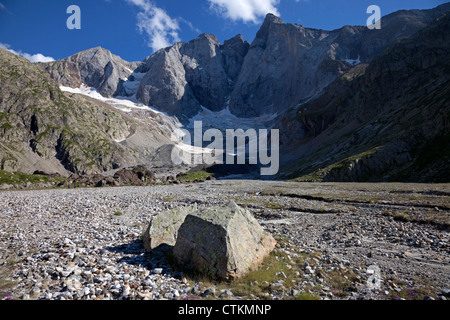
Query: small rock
x: 446, y: 292
x: 309, y: 270
x: 126, y: 290
x: 145, y: 296
x: 209, y: 292
x: 226, y: 293
x: 277, y: 286
x: 168, y: 295
x: 157, y: 270
x: 85, y: 292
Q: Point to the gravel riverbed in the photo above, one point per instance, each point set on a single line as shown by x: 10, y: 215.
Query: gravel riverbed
x: 85, y: 244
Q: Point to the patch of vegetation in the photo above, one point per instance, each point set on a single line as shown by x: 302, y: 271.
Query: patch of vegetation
x: 274, y: 205
x: 118, y: 214
x: 5, y: 286
x: 340, y: 281
x: 6, y: 126
x: 5, y: 121
x: 411, y: 294
x: 22, y: 178
x: 354, y: 73
x: 431, y: 217
x: 195, y: 176
x: 319, y: 174
x: 169, y: 198
x: 279, y: 267
x: 306, y: 296
x: 18, y: 178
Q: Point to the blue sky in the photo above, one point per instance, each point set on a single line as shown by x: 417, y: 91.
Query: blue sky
x: 133, y: 29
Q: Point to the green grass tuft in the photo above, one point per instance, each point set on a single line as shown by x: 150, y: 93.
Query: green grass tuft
x: 197, y: 175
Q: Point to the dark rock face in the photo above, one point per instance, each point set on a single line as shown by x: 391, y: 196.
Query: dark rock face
x: 386, y: 121
x: 136, y: 176
x: 284, y: 65
x: 287, y: 63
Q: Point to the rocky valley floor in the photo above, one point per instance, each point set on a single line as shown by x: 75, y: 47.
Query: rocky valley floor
x: 78, y: 244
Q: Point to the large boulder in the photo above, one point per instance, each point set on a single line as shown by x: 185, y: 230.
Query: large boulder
x: 137, y: 176
x: 163, y: 228
x: 222, y: 242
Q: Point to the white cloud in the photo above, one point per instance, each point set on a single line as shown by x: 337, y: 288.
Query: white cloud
x: 161, y: 29
x: 38, y: 57
x: 245, y: 10
x: 4, y: 8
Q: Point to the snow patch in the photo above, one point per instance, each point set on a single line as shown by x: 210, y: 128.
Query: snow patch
x: 125, y: 104
x: 353, y: 62
x: 224, y: 119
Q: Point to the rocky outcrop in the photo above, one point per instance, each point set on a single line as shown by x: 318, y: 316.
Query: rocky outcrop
x: 186, y: 76
x: 222, y: 242
x: 96, y: 67
x: 139, y: 175
x: 284, y: 65
x: 163, y: 228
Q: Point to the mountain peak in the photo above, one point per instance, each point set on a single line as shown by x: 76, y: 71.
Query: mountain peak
x: 209, y: 37
x: 237, y: 40
x: 271, y: 18
x: 95, y: 49
x: 261, y: 36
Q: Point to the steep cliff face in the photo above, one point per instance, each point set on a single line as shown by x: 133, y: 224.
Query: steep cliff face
x: 288, y: 63
x: 182, y: 78
x: 285, y: 63
x: 389, y: 120
x: 42, y: 128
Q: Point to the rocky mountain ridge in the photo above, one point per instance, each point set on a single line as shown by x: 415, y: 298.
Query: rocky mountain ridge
x: 283, y: 66
x: 351, y: 104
